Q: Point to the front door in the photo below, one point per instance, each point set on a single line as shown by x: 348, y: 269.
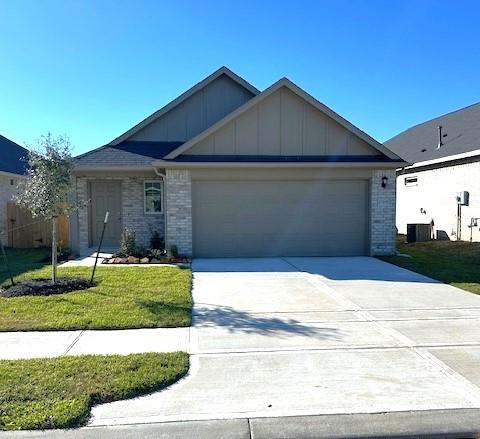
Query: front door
x: 106, y: 196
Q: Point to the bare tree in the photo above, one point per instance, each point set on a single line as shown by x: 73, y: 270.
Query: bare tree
x: 45, y: 191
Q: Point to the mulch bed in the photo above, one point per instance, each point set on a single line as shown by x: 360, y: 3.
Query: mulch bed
x: 146, y: 260
x: 44, y: 287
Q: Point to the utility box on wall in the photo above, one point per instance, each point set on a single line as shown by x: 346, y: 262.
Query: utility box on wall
x: 462, y: 198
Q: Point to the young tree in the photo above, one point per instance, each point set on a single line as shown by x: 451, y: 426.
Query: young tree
x: 45, y: 191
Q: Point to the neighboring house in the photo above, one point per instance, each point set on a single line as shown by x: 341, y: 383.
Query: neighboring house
x: 227, y: 170
x: 12, y: 168
x: 446, y: 163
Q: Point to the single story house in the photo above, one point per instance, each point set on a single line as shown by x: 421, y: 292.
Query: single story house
x: 12, y: 168
x: 225, y: 170
x: 442, y: 186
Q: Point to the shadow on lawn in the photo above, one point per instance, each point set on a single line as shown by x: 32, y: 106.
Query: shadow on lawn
x: 243, y: 321
x: 21, y: 261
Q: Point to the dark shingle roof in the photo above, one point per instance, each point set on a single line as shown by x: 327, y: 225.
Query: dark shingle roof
x: 12, y: 157
x: 128, y: 153
x: 419, y: 143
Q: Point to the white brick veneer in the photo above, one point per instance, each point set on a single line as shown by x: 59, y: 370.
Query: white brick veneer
x: 178, y: 187
x: 382, y: 213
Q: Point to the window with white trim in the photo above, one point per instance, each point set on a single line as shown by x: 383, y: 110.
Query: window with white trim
x: 153, y: 196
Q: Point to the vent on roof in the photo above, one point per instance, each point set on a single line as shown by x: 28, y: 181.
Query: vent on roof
x: 440, y: 137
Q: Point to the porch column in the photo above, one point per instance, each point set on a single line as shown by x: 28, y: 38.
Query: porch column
x: 178, y: 189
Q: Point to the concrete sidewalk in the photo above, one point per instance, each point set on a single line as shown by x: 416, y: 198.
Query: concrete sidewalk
x: 439, y: 424
x: 16, y: 345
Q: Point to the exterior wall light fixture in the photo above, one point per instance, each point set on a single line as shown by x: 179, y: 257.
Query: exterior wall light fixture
x: 384, y: 181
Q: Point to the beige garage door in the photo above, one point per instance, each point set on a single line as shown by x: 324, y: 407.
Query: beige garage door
x: 279, y: 218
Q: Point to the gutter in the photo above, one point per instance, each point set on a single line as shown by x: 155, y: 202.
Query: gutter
x: 453, y: 160
x: 110, y: 168
x: 12, y: 175
x: 183, y: 165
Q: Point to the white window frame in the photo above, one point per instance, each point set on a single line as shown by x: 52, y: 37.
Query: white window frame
x: 162, y: 198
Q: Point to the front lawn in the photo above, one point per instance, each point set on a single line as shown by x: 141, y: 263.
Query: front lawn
x: 59, y: 392
x: 22, y: 260
x: 123, y: 297
x: 454, y: 262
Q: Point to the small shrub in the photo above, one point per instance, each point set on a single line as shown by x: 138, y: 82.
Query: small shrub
x: 127, y: 242
x: 156, y: 241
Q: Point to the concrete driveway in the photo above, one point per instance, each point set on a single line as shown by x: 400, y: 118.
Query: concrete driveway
x: 317, y: 336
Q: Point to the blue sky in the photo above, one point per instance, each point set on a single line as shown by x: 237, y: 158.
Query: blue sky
x: 91, y: 69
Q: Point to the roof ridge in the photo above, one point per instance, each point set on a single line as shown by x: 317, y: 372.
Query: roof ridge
x: 432, y: 119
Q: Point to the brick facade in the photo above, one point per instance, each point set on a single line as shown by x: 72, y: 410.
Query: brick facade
x: 382, y: 213
x: 179, y: 209
x: 133, y: 216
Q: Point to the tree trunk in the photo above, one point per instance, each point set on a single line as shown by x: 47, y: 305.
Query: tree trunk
x: 54, y: 247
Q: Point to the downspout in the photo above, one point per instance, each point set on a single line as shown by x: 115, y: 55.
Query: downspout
x: 164, y: 178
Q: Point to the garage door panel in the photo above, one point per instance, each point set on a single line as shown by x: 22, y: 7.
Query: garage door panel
x: 279, y: 218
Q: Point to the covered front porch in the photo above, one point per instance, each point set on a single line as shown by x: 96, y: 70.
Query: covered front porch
x: 134, y: 200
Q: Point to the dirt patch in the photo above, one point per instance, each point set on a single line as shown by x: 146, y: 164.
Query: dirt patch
x: 44, y: 287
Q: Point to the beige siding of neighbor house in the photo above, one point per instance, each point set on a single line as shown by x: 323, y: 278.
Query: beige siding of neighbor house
x: 433, y: 197
x: 7, y: 190
x: 198, y: 112
x: 283, y: 124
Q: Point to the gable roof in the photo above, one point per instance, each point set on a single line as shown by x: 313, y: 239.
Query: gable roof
x: 419, y: 143
x: 183, y: 97
x: 284, y: 82
x: 12, y: 157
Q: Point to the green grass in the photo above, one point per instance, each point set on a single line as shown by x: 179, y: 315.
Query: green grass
x: 59, y: 392
x: 22, y: 260
x: 454, y: 262
x: 123, y: 297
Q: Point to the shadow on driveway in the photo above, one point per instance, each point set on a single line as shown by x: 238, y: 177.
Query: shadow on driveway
x: 250, y: 323
x: 344, y: 268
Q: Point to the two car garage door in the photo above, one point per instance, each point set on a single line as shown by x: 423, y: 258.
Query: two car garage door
x: 280, y: 218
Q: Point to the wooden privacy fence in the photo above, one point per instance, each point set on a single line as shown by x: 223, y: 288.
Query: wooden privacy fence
x: 23, y: 231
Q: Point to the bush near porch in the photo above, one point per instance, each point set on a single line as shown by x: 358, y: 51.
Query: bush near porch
x: 123, y: 297
x: 453, y: 262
